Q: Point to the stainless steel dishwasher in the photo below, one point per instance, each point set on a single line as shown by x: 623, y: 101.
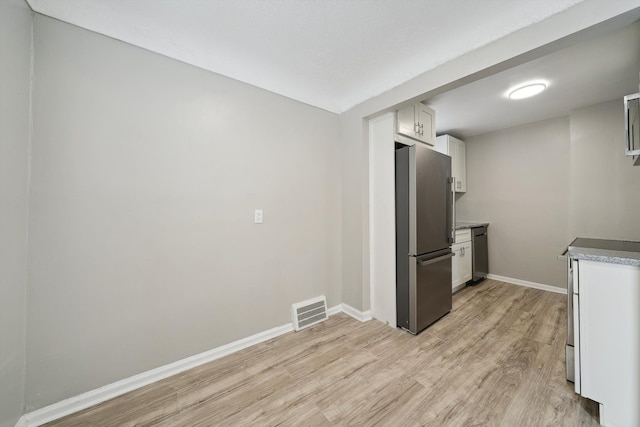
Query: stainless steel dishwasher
x: 480, y: 259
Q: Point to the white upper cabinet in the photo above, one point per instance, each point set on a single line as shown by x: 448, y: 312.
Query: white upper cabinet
x: 457, y: 150
x: 417, y: 122
x: 461, y: 165
x: 427, y: 123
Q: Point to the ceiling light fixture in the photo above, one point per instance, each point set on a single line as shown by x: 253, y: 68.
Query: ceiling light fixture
x: 526, y: 90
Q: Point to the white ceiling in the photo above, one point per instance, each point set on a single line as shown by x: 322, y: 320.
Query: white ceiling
x: 594, y: 71
x: 332, y: 54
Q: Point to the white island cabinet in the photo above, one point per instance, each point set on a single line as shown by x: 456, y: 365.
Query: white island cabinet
x: 606, y: 298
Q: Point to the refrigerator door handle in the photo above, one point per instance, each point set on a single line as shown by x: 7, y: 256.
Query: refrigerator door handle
x: 434, y: 260
x: 452, y: 194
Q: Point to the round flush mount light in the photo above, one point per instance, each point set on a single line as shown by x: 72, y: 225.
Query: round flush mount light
x: 526, y: 90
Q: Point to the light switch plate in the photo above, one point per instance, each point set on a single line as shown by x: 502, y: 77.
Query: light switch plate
x: 257, y: 216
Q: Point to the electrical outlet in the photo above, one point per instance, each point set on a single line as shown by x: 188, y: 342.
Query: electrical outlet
x: 257, y: 216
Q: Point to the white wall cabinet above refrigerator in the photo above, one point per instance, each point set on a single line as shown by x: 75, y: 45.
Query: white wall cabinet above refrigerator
x: 416, y: 122
x: 457, y: 150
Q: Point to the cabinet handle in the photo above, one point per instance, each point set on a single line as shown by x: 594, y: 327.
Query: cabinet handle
x: 416, y: 128
x: 421, y: 129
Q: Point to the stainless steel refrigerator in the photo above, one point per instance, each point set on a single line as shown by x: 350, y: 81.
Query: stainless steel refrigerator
x: 425, y: 229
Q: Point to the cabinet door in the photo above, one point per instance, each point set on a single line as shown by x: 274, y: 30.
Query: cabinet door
x: 442, y: 146
x: 458, y: 151
x: 406, y: 122
x: 461, y: 160
x: 426, y: 119
x: 455, y: 265
x: 465, y: 265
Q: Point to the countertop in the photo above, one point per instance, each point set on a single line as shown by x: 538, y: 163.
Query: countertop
x: 463, y: 225
x: 603, y: 250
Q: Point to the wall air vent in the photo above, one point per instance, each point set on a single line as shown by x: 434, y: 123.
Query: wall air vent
x: 309, y: 312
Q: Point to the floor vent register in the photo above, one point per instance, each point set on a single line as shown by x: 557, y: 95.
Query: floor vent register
x: 309, y: 312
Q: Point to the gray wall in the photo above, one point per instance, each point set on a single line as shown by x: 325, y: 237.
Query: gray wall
x: 15, y: 73
x: 355, y: 225
x: 145, y: 175
x: 518, y: 181
x: 605, y: 187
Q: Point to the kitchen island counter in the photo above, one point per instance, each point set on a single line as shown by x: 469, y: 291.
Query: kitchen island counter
x: 604, y: 250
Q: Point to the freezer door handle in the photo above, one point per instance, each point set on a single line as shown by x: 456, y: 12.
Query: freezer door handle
x: 434, y: 260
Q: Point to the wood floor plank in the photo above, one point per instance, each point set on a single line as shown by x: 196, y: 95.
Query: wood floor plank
x: 146, y: 406
x: 496, y: 359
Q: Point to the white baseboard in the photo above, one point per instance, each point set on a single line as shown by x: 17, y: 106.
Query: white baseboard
x: 334, y: 310
x: 99, y: 395
x: 362, y: 316
x: 102, y: 394
x: 527, y: 284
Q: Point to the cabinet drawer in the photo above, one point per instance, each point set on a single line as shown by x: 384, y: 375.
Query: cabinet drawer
x: 463, y: 235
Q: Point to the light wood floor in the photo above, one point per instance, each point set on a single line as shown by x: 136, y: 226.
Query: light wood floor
x: 496, y: 359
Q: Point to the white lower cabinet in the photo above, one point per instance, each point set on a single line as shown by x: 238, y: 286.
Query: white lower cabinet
x: 465, y: 263
x: 607, y: 339
x: 455, y: 267
x: 461, y: 271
